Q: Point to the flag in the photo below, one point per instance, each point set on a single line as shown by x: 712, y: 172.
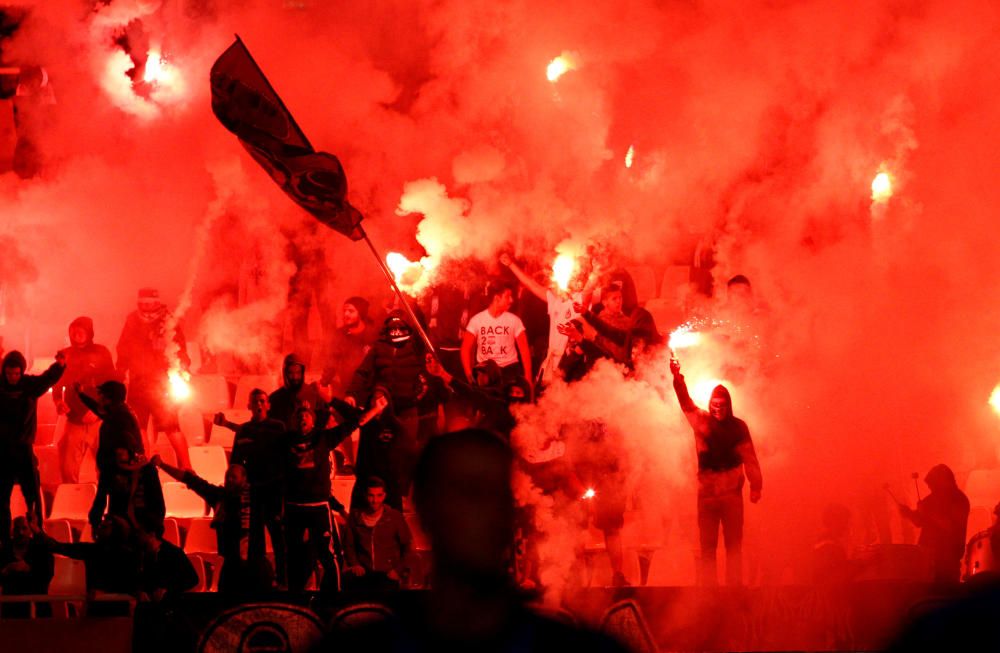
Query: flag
x: 246, y: 104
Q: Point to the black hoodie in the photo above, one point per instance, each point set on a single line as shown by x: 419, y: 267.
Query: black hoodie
x: 89, y: 365
x: 287, y: 398
x: 19, y: 402
x: 724, y: 446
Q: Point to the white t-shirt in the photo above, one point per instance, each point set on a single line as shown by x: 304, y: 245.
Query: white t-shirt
x: 496, y: 337
x: 560, y: 311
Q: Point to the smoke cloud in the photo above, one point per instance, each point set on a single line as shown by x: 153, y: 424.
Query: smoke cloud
x: 756, y: 134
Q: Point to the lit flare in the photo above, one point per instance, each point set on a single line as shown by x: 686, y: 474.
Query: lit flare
x: 701, y: 390
x: 180, y: 389
x: 881, y: 187
x: 560, y: 66
x: 406, y: 272
x: 589, y: 494
x: 995, y: 399
x: 562, y: 271
x: 684, y: 337
x: 630, y: 156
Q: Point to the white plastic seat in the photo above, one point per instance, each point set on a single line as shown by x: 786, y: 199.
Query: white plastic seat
x: 645, y: 282
x: 192, y: 424
x: 342, y: 488
x: 209, y: 393
x: 73, y: 501
x: 209, y: 462
x: 69, y: 579
x: 181, y: 502
x: 171, y: 531
x: 199, y: 567
x: 201, y: 537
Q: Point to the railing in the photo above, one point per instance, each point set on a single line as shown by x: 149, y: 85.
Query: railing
x: 60, y: 603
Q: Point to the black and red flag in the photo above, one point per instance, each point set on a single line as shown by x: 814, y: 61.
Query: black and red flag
x: 246, y: 104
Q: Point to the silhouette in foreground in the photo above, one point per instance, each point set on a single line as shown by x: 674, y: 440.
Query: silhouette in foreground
x: 464, y: 501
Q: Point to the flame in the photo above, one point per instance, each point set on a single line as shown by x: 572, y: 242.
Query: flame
x: 408, y: 274
x: 163, y: 85
x: 589, y: 494
x: 562, y: 270
x: 156, y: 70
x: 180, y: 389
x: 560, y: 66
x: 629, y: 156
x: 881, y: 187
x: 683, y: 337
x: 701, y: 390
x: 995, y: 399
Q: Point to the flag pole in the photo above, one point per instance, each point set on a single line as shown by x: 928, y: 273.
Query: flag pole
x: 402, y: 298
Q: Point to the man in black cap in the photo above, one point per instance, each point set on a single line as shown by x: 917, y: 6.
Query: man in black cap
x: 150, y: 346
x: 19, y: 393
x: 88, y: 364
x: 724, y: 451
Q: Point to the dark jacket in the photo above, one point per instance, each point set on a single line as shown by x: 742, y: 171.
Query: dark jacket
x: 142, y: 353
x: 169, y: 569
x: 399, y: 369
x: 260, y: 447
x: 384, y: 547
x: 89, y: 365
x: 110, y: 568
x: 119, y: 430
x: 19, y: 403
x: 724, y: 447
x: 286, y: 399
x: 230, y: 518
x: 307, y: 474
x: 943, y: 517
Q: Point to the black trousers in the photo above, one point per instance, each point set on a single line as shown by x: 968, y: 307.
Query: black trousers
x: 18, y: 465
x: 267, y: 504
x: 310, y: 536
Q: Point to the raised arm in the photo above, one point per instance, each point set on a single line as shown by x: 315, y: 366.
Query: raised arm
x: 89, y: 402
x: 535, y: 288
x: 49, y: 377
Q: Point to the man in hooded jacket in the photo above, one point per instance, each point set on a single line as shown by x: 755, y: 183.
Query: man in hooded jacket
x: 942, y: 516
x: 295, y: 392
x: 725, y: 451
x: 90, y: 365
x: 19, y: 393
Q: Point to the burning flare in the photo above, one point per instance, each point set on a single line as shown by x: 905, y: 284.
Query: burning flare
x: 562, y: 271
x: 881, y: 187
x: 589, y: 494
x: 560, y: 66
x: 629, y: 156
x: 683, y: 337
x: 180, y: 389
x: 408, y: 273
x: 701, y: 391
x: 995, y: 399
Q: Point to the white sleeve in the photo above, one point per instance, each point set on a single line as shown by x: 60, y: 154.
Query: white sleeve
x: 518, y: 326
x: 473, y: 325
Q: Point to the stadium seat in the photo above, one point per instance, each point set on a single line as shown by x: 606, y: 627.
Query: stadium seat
x: 59, y: 530
x: 645, y: 282
x: 69, y: 579
x: 665, y: 314
x: 209, y: 393
x: 199, y: 567
x: 73, y: 501
x: 181, y: 502
x: 248, y: 383
x: 18, y: 506
x: 209, y: 462
x: 342, y: 488
x: 201, y: 537
x: 192, y: 423
x: 86, y: 534
x: 171, y: 531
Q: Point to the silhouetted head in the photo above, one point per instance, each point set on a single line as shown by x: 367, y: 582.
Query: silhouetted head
x: 611, y: 299
x: 940, y: 478
x: 396, y: 329
x: 259, y: 404
x: 374, y: 494
x: 501, y: 295
x: 81, y: 331
x: 20, y: 530
x: 293, y: 372
x: 14, y: 365
x: 355, y: 311
x: 236, y: 477
x: 720, y: 406
x: 112, y: 392
x: 463, y: 496
x: 305, y: 418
